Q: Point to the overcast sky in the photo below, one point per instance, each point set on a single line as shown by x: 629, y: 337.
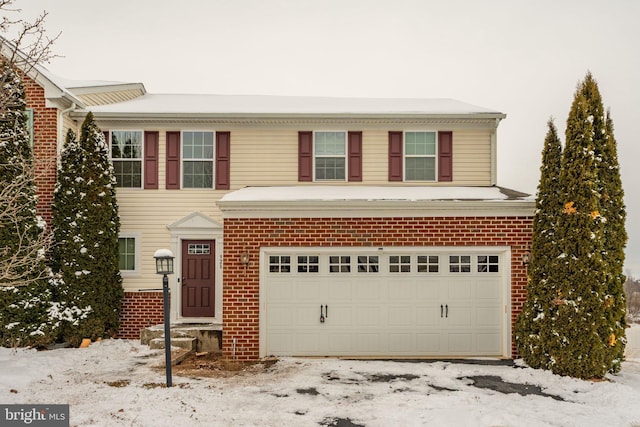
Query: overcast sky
x: 523, y: 58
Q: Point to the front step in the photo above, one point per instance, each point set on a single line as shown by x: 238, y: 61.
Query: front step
x: 187, y: 343
x: 208, y: 337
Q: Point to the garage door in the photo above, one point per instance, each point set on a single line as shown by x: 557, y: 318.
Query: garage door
x: 384, y: 303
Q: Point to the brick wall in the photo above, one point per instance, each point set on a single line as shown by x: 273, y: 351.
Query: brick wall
x: 140, y: 310
x: 241, y: 287
x: 44, y: 145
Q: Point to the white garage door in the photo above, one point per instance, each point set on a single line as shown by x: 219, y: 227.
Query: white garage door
x: 383, y: 303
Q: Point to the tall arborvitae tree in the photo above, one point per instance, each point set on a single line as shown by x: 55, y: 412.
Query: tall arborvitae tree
x: 25, y: 287
x: 580, y: 333
x: 87, y: 226
x: 613, y: 211
x: 533, y: 323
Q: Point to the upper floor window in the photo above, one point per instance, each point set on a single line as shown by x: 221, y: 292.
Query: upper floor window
x: 126, y: 153
x: 420, y: 156
x: 330, y: 156
x: 425, y: 156
x: 197, y: 159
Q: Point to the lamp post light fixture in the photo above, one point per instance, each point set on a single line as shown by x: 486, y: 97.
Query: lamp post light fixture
x: 164, y: 266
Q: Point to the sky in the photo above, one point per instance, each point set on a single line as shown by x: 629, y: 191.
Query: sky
x: 523, y: 58
x: 114, y: 383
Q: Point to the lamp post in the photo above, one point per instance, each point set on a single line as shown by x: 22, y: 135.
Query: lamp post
x: 164, y: 266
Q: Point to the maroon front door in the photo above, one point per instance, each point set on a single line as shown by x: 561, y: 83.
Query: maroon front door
x: 198, y: 278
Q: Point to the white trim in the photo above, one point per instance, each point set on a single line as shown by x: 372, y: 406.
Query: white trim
x: 110, y: 147
x: 195, y: 226
x: 213, y: 160
x: 505, y: 273
x: 404, y: 156
x: 345, y: 156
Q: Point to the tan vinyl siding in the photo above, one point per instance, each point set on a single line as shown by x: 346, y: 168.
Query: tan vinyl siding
x: 147, y: 213
x: 102, y: 98
x: 265, y: 158
x: 260, y: 157
x: 471, y: 158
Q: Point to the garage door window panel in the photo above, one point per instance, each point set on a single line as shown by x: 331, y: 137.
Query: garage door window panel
x: 460, y: 264
x: 339, y: 264
x: 368, y: 264
x: 308, y: 264
x: 488, y: 264
x: 428, y: 264
x: 400, y: 264
x: 279, y: 264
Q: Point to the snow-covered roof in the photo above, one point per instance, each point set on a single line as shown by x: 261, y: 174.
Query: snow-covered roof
x: 314, y: 201
x: 368, y: 193
x: 197, y: 104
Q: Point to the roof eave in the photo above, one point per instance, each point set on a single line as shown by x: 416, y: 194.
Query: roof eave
x: 375, y: 208
x: 124, y: 116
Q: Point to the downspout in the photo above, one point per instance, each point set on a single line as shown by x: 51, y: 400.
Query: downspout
x: 494, y: 154
x: 61, y: 127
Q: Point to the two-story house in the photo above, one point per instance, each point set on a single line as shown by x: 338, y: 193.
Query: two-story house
x: 307, y: 225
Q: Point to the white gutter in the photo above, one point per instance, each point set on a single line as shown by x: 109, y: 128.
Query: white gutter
x: 61, y: 137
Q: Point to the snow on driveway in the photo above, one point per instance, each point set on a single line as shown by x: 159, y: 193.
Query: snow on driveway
x: 113, y: 383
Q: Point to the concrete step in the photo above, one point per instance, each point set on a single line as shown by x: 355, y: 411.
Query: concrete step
x: 187, y: 343
x: 208, y: 336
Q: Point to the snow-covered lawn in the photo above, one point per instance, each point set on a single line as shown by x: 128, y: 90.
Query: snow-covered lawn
x: 114, y: 383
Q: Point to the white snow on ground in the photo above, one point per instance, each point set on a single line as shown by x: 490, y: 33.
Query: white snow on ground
x: 307, y: 392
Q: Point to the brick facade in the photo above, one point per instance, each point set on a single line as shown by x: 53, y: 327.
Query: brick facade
x: 241, y: 286
x: 140, y: 310
x: 45, y: 146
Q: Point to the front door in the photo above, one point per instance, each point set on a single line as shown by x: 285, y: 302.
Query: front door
x: 198, y: 278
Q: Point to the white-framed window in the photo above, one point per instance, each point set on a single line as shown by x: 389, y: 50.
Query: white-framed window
x: 339, y: 264
x: 330, y: 155
x: 128, y: 254
x: 400, y: 264
x: 428, y: 263
x: 488, y: 263
x: 368, y: 264
x: 420, y: 156
x: 280, y: 264
x: 199, y: 249
x: 459, y: 263
x: 125, y: 147
x: 197, y: 159
x: 308, y: 264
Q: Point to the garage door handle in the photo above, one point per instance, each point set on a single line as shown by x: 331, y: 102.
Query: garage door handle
x: 322, y: 317
x: 440, y: 310
x: 446, y: 308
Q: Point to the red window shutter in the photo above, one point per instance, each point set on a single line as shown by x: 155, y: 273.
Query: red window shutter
x: 305, y: 156
x: 151, y: 139
x: 445, y: 156
x: 355, y: 156
x: 173, y: 161
x: 223, y: 165
x: 395, y: 156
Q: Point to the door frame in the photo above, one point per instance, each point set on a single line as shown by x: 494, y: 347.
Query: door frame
x: 181, y: 279
x: 505, y: 275
x: 195, y: 226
